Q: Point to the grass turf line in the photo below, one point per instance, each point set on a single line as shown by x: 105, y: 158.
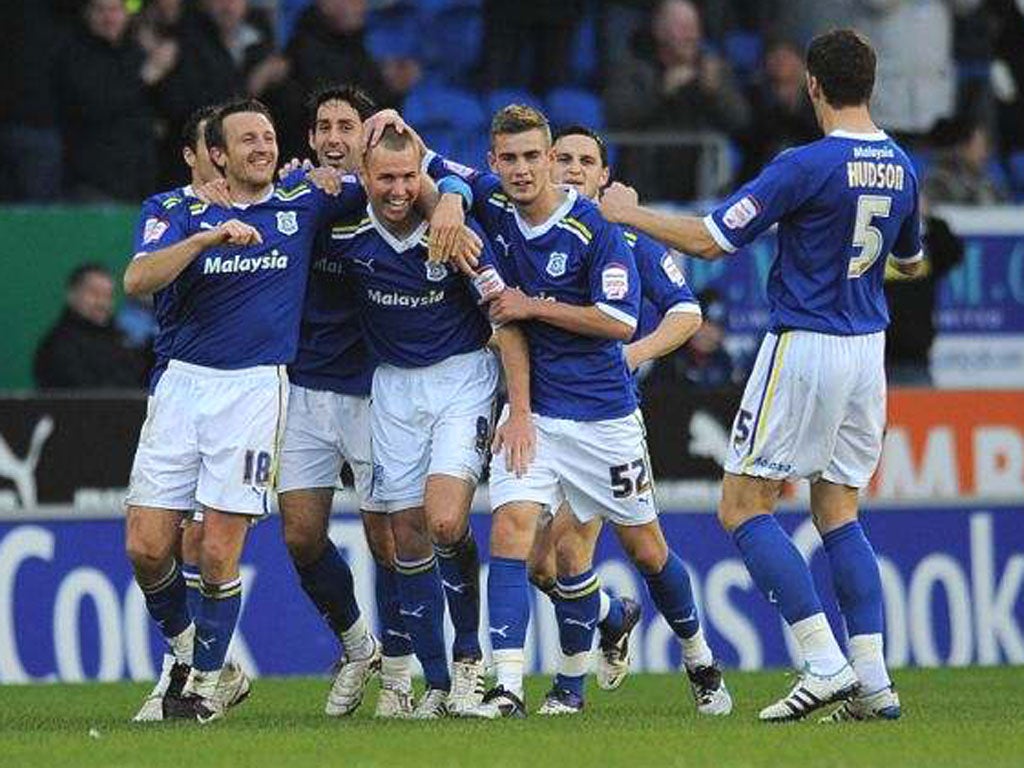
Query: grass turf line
x: 952, y: 717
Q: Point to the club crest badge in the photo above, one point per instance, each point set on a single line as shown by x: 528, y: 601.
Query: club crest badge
x: 436, y: 272
x: 556, y: 264
x: 287, y: 222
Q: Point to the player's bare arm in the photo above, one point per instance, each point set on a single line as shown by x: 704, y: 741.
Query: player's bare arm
x: 516, y: 436
x: 512, y: 305
x: 620, y: 204
x: 672, y: 332
x: 153, y: 271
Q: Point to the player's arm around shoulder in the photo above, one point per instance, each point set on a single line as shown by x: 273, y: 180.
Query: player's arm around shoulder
x: 165, y: 248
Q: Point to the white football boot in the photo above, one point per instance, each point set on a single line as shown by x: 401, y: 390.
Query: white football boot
x: 812, y: 692
x: 467, y: 686
x: 350, y: 681
x: 709, y: 691
x: 880, y: 705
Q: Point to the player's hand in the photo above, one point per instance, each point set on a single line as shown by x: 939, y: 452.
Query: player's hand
x: 510, y: 305
x: 235, y: 232
x: 467, y: 252
x: 517, y: 439
x: 616, y: 202
x: 294, y: 165
x: 214, y: 193
x: 327, y: 179
x: 446, y: 225
x: 632, y: 357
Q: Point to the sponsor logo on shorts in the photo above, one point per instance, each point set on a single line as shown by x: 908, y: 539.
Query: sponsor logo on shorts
x: 772, y: 466
x: 615, y: 282
x: 287, y: 222
x: 742, y: 212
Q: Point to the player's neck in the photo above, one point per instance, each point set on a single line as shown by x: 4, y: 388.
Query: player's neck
x: 541, y: 207
x: 399, y: 229
x: 852, y: 119
x: 244, y: 193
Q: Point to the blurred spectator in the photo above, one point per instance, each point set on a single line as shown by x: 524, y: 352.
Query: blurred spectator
x: 103, y: 86
x: 911, y: 331
x: 225, y: 52
x: 30, y: 152
x: 784, y: 113
x: 84, y: 350
x: 329, y: 46
x: 680, y: 86
x: 801, y: 20
x: 960, y: 174
x: 916, y: 77
x: 703, y: 362
x: 529, y: 45
x: 1008, y: 71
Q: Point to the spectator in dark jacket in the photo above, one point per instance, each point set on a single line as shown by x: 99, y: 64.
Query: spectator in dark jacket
x: 103, y: 87
x: 703, y: 362
x: 84, y: 350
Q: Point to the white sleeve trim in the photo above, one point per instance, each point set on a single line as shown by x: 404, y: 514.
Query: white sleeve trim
x: 689, y: 307
x: 428, y: 158
x: 716, y: 234
x: 919, y: 256
x: 140, y: 254
x: 618, y: 314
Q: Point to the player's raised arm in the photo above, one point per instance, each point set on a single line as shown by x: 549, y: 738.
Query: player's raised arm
x: 620, y: 204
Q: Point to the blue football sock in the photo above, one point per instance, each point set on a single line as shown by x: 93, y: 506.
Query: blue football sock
x: 460, y: 574
x: 166, y: 602
x: 508, y: 600
x: 394, y: 638
x: 612, y: 623
x: 855, y: 576
x: 673, y: 595
x: 219, y: 605
x: 422, y: 611
x: 777, y: 568
x: 576, y: 607
x: 328, y: 583
x: 190, y: 572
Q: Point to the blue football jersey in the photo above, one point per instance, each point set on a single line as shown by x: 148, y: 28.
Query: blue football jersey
x: 237, y: 307
x: 154, y: 221
x: 578, y: 258
x: 413, y: 313
x: 663, y: 288
x: 843, y: 205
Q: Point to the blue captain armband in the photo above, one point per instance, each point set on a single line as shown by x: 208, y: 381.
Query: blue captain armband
x: 456, y: 186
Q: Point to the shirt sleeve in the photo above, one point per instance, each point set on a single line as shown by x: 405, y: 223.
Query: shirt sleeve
x: 778, y: 190
x: 661, y: 280
x: 614, y: 282
x: 907, y: 248
x: 489, y: 202
x: 488, y: 281
x: 351, y: 199
x: 162, y: 223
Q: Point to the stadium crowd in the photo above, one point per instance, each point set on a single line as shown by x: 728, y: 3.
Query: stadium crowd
x: 95, y: 90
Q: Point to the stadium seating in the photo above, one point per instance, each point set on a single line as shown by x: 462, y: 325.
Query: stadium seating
x: 449, y: 119
x: 575, y: 105
x: 452, y: 49
x: 1016, y: 168
x: 744, y: 50
x: 502, y: 97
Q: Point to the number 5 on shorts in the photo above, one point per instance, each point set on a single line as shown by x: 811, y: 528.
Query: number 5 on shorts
x: 629, y: 479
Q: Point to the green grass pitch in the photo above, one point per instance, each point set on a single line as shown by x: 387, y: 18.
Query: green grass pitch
x: 962, y: 717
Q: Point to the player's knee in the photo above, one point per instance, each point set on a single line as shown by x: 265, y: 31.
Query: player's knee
x: 148, y: 551
x: 446, y: 529
x: 219, y: 561
x: 571, y: 558
x: 732, y: 515
x: 511, y: 536
x: 648, y: 554
x: 304, y: 542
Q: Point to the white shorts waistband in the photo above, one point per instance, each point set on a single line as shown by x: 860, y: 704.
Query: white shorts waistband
x: 224, y: 373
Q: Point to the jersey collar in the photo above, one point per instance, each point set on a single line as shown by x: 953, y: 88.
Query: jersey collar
x: 187, y: 191
x: 270, y: 194
x: 531, y: 232
x: 411, y: 241
x: 869, y: 136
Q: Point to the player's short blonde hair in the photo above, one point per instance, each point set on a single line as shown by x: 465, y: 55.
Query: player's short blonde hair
x: 394, y: 141
x: 519, y: 118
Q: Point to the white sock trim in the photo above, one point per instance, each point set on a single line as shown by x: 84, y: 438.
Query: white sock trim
x: 509, y: 667
x: 576, y: 665
x: 818, y: 645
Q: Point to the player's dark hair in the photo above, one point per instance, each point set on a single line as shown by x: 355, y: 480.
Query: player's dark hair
x: 577, y: 129
x: 843, y: 62
x: 519, y: 118
x: 214, y: 131
x: 190, y: 130
x: 82, y: 271
x: 352, y: 95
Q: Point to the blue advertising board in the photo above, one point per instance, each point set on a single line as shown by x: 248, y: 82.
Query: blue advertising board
x: 953, y: 579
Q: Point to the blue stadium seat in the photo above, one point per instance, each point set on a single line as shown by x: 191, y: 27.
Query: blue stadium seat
x: 454, y: 45
x: 429, y: 7
x: 447, y: 118
x: 575, y: 105
x: 744, y: 51
x: 288, y: 12
x: 1016, y: 166
x: 394, y: 33
x: 585, y: 58
x: 502, y: 97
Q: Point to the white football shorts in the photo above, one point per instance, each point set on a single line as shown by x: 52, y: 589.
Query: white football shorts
x: 600, y: 467
x: 435, y: 420
x: 211, y: 437
x: 324, y: 430
x: 813, y: 408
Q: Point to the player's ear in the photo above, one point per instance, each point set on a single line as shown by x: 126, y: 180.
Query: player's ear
x: 310, y: 141
x: 189, y: 157
x: 606, y: 175
x: 218, y: 157
x: 492, y: 161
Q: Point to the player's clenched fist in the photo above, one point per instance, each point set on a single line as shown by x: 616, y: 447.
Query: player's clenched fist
x: 234, y: 232
x: 616, y: 200
x: 510, y: 305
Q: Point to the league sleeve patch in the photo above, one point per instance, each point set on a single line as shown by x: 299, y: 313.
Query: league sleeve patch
x: 742, y: 212
x: 153, y: 230
x: 488, y: 283
x: 458, y: 168
x: 668, y: 263
x: 615, y: 282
